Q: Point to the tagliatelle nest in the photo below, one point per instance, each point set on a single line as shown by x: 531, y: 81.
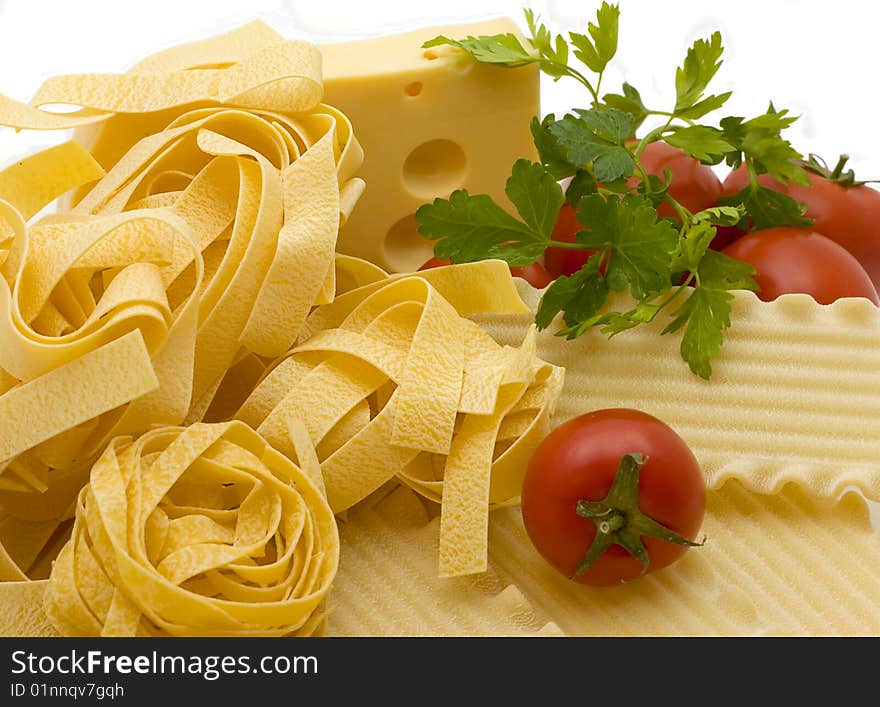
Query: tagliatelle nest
x: 195, y: 259
x: 396, y: 383
x: 203, y: 531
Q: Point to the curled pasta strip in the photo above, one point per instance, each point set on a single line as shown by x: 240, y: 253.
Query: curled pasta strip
x: 405, y: 387
x: 203, y: 531
x: 202, y: 233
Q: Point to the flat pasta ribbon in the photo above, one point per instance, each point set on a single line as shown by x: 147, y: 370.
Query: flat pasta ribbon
x: 404, y: 387
x: 201, y: 231
x: 203, y: 531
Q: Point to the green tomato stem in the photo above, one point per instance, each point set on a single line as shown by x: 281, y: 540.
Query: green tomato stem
x: 620, y: 521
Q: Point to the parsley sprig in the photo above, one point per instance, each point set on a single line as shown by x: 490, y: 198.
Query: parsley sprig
x: 665, y: 264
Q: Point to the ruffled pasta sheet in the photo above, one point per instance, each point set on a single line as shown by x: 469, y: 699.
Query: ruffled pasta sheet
x: 393, y: 382
x: 211, y: 238
x: 794, y: 395
x: 198, y: 531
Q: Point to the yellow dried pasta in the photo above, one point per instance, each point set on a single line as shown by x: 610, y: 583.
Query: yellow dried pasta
x: 401, y: 385
x: 785, y: 564
x: 794, y: 396
x: 779, y: 565
x: 212, y: 236
x: 203, y: 531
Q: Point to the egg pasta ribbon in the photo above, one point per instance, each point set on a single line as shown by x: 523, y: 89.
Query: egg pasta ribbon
x: 203, y: 220
x: 202, y: 531
x: 403, y: 386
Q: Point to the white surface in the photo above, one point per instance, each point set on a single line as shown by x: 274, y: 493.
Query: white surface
x: 816, y: 58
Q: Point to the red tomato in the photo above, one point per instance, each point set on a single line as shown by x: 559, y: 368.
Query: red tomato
x: 579, y: 461
x: 535, y: 274
x: 693, y: 184
x: 565, y: 261
x: 797, y: 260
x: 849, y: 216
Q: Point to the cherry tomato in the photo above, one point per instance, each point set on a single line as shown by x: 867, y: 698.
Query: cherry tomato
x: 693, y: 184
x: 849, y: 216
x: 798, y: 260
x: 565, y: 261
x: 535, y: 274
x: 579, y: 461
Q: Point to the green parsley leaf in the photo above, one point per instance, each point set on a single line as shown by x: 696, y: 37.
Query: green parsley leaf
x: 536, y: 196
x: 759, y: 141
x: 706, y: 312
x: 579, y: 296
x: 582, y: 146
x: 611, y: 125
x: 630, y: 101
x: 720, y: 215
x: 693, y: 246
x: 598, y: 51
x: 473, y: 227
x: 766, y: 208
x: 552, y: 156
x: 721, y: 271
x: 701, y: 142
x: 554, y: 55
x: 502, y: 49
x: 700, y: 65
x: 704, y: 107
x: 582, y: 184
x: 613, y: 323
x: 639, y: 242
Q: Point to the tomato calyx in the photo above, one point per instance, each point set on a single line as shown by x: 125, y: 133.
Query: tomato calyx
x: 847, y: 178
x: 620, y: 521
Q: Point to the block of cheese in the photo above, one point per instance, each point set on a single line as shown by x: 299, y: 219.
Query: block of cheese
x: 430, y: 121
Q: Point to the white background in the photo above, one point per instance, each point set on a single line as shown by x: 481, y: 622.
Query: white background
x: 817, y: 58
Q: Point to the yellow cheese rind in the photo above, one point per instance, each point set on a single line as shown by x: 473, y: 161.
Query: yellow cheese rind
x: 401, y: 385
x: 203, y: 531
x: 794, y: 395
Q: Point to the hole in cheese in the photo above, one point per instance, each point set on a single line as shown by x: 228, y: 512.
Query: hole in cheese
x: 405, y: 248
x: 434, y: 168
x: 413, y: 89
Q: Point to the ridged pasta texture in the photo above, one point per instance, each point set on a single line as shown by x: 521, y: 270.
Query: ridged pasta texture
x: 794, y: 394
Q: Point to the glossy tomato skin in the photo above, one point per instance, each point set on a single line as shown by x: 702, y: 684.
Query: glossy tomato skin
x: 565, y: 261
x: 694, y: 185
x: 535, y: 274
x: 849, y: 216
x: 792, y: 260
x: 579, y: 460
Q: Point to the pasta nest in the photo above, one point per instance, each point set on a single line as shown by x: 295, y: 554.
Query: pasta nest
x: 161, y: 290
x: 392, y: 382
x: 202, y: 531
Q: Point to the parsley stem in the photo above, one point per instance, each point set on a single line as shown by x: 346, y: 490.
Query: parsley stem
x: 566, y: 245
x: 682, y: 212
x: 578, y: 76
